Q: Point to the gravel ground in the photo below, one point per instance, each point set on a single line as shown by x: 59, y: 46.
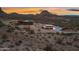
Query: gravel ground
x: 16, y: 40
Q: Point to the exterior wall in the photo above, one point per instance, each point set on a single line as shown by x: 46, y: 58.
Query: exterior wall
x: 47, y: 27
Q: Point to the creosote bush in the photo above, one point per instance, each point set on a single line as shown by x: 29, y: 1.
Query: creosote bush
x: 31, y: 32
x: 4, y: 36
x: 1, y: 24
x: 3, y: 39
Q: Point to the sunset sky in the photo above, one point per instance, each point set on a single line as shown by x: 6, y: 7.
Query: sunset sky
x: 54, y: 10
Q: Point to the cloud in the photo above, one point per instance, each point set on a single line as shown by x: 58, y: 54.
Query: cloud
x: 73, y: 9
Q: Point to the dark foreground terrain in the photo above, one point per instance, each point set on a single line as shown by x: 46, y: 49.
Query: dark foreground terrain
x: 19, y: 41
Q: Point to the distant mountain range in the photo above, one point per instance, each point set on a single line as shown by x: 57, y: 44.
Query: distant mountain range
x: 73, y: 9
x: 43, y: 17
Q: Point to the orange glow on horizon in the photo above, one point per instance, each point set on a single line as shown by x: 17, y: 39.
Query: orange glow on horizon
x: 58, y: 11
x: 22, y: 10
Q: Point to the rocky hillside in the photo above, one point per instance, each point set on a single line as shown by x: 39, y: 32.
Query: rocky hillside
x: 13, y: 40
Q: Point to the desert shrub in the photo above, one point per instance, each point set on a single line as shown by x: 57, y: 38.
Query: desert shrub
x: 52, y: 34
x: 17, y: 28
x: 11, y: 46
x: 16, y: 33
x: 26, y: 35
x: 18, y: 43
x: 31, y: 36
x: 76, y: 38
x: 31, y: 31
x: 39, y: 30
x: 10, y: 29
x: 4, y: 36
x: 48, y: 48
x: 76, y: 46
x: 69, y: 43
x: 68, y: 34
x: 49, y: 36
x: 3, y: 39
x: 1, y: 24
x: 59, y: 41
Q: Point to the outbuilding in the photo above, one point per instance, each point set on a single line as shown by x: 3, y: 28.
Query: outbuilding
x: 26, y: 24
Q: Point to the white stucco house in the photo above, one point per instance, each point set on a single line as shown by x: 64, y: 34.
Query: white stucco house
x: 52, y: 28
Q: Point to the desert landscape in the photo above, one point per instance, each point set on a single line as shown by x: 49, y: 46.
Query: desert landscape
x: 38, y: 32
